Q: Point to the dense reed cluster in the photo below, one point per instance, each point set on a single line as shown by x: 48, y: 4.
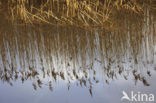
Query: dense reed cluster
x: 88, y: 13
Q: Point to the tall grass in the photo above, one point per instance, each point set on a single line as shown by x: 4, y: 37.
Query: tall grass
x: 71, y: 12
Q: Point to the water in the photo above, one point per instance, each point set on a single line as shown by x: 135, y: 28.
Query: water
x: 67, y: 64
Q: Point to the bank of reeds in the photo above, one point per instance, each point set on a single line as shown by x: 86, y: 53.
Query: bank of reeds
x: 87, y: 13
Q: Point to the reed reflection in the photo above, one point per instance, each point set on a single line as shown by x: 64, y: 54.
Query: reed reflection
x: 47, y: 55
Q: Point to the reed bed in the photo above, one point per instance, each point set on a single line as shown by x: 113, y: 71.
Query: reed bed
x: 84, y: 13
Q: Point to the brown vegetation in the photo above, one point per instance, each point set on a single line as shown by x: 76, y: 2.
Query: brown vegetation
x: 88, y: 13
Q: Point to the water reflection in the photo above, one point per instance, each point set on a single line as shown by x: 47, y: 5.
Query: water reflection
x: 48, y: 55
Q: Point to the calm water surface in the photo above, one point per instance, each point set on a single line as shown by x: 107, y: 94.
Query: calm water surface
x: 66, y: 64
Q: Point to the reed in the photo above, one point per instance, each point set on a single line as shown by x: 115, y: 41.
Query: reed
x: 88, y: 13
